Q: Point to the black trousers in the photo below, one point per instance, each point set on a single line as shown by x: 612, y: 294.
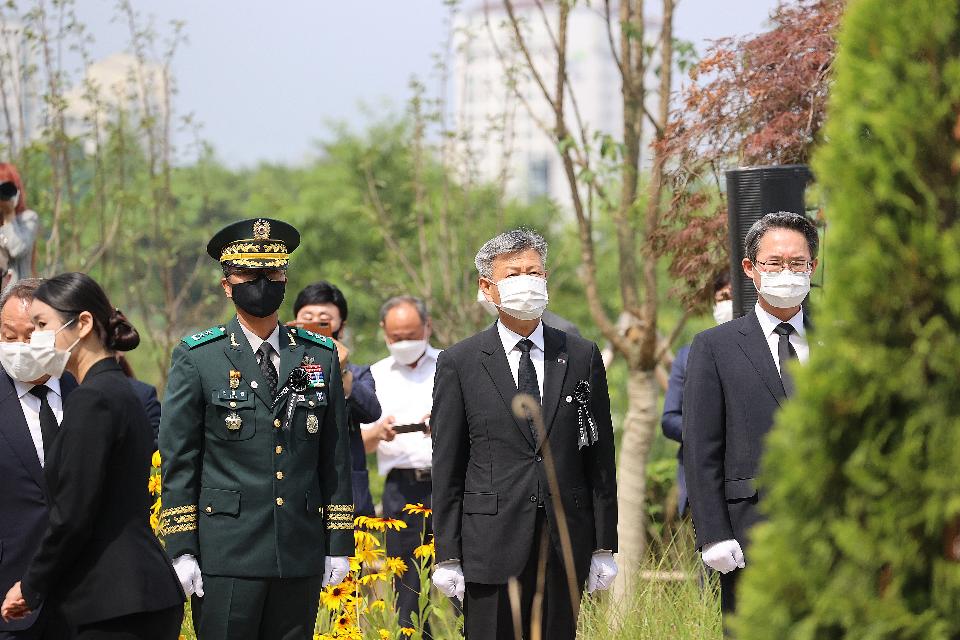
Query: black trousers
x: 488, y: 614
x: 401, y: 488
x: 728, y: 591
x: 148, y: 625
x: 48, y: 625
x: 256, y: 608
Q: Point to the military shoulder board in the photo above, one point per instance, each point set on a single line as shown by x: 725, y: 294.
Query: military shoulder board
x: 203, y: 337
x: 316, y: 338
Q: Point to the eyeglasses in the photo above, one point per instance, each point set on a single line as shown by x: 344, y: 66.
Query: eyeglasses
x: 776, y: 265
x: 248, y: 275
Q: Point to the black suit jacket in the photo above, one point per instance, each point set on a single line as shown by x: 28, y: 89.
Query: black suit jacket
x: 147, y: 395
x: 730, y: 396
x: 98, y: 556
x: 487, y: 472
x: 23, y: 497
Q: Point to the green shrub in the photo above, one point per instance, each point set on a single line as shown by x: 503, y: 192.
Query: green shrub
x: 861, y: 472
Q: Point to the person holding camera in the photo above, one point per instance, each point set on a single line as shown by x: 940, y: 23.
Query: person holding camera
x: 18, y: 229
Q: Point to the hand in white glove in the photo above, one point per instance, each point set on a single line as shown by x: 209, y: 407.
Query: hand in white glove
x: 188, y: 572
x: 335, y: 569
x: 603, y: 569
x: 724, y: 556
x: 448, y: 578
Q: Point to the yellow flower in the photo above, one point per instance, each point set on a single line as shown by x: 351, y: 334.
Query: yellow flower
x: 424, y: 550
x: 379, y: 524
x: 364, y: 540
x: 155, y: 461
x: 384, y: 634
x: 407, y: 631
x: 396, y: 566
x: 154, y: 522
x: 153, y: 485
x: 342, y: 623
x: 332, y: 597
x: 418, y: 509
x: 373, y: 577
x: 378, y: 605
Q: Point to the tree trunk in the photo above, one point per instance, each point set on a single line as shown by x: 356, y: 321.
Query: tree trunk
x: 639, y: 428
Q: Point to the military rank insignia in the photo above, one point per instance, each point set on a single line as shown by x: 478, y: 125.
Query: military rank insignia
x: 313, y: 424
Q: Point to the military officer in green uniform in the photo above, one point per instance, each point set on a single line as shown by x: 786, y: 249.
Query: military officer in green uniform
x: 257, y: 512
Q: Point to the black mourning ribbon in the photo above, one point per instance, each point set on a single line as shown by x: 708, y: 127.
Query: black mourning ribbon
x: 297, y: 383
x: 589, y: 433
x: 785, y: 353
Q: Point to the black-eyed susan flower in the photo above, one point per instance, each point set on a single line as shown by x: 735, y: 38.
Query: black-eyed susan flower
x: 364, y: 539
x: 342, y: 623
x: 334, y: 596
x: 418, y: 509
x: 424, y: 550
x: 370, y: 578
x: 384, y: 634
x: 395, y: 566
x: 155, y: 460
x: 378, y: 605
x: 407, y: 631
x: 380, y: 524
x: 154, y: 484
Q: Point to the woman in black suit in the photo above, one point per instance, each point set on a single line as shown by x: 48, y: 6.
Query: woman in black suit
x: 98, y: 562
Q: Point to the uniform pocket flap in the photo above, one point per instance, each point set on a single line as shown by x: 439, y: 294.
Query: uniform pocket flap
x: 219, y: 501
x: 232, y: 399
x: 739, y: 489
x: 484, y: 503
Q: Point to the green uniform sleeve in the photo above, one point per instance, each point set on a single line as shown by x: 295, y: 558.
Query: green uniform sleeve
x: 181, y: 447
x: 335, y: 471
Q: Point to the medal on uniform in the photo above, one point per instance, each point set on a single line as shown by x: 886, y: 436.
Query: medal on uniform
x: 313, y: 425
x: 233, y: 421
x: 234, y: 378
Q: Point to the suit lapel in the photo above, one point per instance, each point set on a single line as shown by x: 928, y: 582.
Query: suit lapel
x: 494, y: 360
x: 554, y: 373
x: 754, y: 345
x: 240, y: 354
x: 13, y: 428
x: 291, y: 354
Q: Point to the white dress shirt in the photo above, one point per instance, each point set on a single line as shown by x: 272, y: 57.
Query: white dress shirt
x: 510, y: 340
x: 798, y: 338
x: 31, y: 409
x: 406, y: 393
x: 274, y: 340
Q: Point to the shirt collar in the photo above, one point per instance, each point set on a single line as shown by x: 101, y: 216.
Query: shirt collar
x: 510, y: 338
x: 769, y: 322
x: 23, y: 388
x: 255, y: 340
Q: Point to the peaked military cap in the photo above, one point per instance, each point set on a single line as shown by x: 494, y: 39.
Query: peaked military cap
x: 258, y: 243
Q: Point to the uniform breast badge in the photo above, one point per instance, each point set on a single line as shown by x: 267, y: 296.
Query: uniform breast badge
x: 234, y: 378
x: 233, y: 421
x: 313, y: 425
x: 315, y: 375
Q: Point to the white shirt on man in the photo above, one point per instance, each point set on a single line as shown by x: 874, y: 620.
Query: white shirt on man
x: 510, y: 339
x: 274, y: 340
x: 31, y: 409
x: 406, y: 393
x: 798, y: 338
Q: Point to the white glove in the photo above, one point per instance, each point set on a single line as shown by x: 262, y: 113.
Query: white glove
x: 724, y: 556
x: 335, y: 569
x: 188, y: 572
x: 603, y: 569
x: 448, y: 578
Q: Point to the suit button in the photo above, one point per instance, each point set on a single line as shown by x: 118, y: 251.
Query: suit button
x: 276, y: 423
x: 279, y: 502
x: 233, y: 405
x: 539, y: 458
x: 209, y: 509
x: 279, y: 449
x: 279, y: 475
x: 311, y: 403
x: 533, y: 498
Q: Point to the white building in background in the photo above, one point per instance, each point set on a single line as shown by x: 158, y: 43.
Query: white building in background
x: 500, y: 137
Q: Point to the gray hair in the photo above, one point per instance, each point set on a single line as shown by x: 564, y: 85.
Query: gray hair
x: 397, y: 301
x: 22, y: 289
x: 781, y: 220
x: 509, y: 242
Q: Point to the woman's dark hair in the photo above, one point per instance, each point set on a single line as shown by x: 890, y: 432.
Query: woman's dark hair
x: 322, y: 292
x: 70, y: 294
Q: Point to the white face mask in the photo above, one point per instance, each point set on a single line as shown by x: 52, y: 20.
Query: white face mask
x: 723, y: 311
x: 488, y: 306
x: 784, y: 290
x: 407, y: 352
x: 523, y: 297
x: 31, y: 361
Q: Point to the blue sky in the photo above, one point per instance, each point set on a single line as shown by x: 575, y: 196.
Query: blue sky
x: 266, y: 79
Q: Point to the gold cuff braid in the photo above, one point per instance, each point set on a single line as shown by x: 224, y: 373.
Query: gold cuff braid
x: 182, y: 519
x: 339, y: 516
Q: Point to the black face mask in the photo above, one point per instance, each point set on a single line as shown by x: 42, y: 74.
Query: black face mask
x: 260, y: 298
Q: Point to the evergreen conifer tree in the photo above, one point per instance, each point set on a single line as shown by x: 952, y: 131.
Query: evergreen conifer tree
x: 862, y: 471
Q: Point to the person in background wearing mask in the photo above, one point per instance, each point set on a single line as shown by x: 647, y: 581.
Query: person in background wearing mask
x: 255, y: 454
x: 493, y: 509
x: 324, y: 303
x: 404, y: 382
x: 98, y: 560
x: 737, y: 378
x: 672, y: 421
x: 31, y: 409
x: 18, y: 227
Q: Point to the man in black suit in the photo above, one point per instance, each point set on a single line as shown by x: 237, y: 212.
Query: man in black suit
x: 737, y: 377
x: 494, y: 516
x: 23, y: 441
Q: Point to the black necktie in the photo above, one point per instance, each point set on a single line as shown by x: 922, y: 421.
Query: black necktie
x: 266, y: 366
x: 785, y: 353
x: 527, y: 379
x: 48, y: 421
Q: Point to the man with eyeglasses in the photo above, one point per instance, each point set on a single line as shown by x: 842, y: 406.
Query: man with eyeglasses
x: 257, y: 497
x: 738, y: 375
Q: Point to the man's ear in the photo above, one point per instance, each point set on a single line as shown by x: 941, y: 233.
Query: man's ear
x: 227, y: 287
x: 747, y: 267
x: 487, y: 287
